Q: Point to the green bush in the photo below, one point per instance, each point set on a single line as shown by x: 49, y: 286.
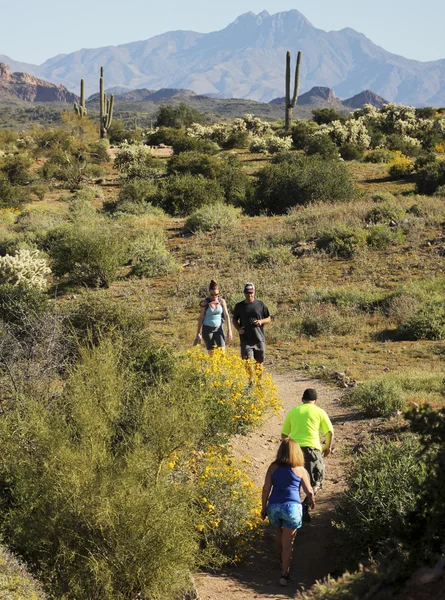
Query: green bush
x: 11, y: 196
x: 282, y: 186
x: 324, y: 116
x: 18, y: 301
x: 302, y: 133
x: 384, y: 213
x: 430, y: 177
x: 322, y: 145
x: 379, y: 155
x: 343, y: 241
x: 363, y: 300
x: 383, y: 197
x: 93, y: 506
x: 183, y: 194
x: 271, y: 257
x: 178, y: 116
x: 194, y: 163
x: 315, y: 320
x: 350, y: 151
x: 17, y: 168
x: 135, y: 198
x: 136, y: 161
x: 383, y: 485
x: 427, y: 323
x: 213, y: 217
x: 377, y: 398
x: 89, y: 251
x: 404, y: 144
x: 381, y: 236
x: 151, y: 257
x: 235, y: 182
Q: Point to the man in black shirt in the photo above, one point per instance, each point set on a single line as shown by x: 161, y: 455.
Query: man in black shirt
x: 249, y: 317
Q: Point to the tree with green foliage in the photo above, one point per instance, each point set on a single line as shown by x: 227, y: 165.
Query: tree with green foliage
x: 324, y: 116
x: 178, y: 116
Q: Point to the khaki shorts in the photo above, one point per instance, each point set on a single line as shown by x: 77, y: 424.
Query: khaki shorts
x: 314, y: 465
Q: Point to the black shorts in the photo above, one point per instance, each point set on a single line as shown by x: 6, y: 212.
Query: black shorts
x: 256, y: 351
x: 213, y: 336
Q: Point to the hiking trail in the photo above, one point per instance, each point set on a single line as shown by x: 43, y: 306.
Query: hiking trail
x: 314, y: 554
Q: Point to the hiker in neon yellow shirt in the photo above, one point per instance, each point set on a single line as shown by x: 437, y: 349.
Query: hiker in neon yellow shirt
x: 304, y: 424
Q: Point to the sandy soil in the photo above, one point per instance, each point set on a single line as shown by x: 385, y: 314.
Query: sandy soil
x: 314, y: 555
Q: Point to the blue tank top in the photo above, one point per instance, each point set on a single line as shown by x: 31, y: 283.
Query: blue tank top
x: 286, y: 486
x: 213, y: 317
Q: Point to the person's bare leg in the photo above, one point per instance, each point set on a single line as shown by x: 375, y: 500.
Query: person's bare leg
x: 278, y: 538
x: 287, y: 538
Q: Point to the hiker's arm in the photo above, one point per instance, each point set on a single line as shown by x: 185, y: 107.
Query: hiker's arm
x: 266, y: 492
x: 237, y: 324
x: 306, y: 484
x: 328, y: 444
x: 260, y: 322
x: 200, y: 320
x: 227, y: 317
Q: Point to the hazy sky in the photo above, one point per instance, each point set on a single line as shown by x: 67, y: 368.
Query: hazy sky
x: 35, y: 30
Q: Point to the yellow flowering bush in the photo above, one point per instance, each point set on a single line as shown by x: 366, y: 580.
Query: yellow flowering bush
x: 439, y: 148
x: 400, y: 166
x: 229, y: 504
x: 237, y: 393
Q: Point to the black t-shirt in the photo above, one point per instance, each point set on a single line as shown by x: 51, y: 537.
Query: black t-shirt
x: 248, y: 312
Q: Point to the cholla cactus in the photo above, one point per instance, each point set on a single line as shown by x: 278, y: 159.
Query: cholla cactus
x: 353, y: 131
x: 255, y: 125
x: 270, y: 144
x: 24, y: 268
x: 135, y: 161
x: 216, y: 133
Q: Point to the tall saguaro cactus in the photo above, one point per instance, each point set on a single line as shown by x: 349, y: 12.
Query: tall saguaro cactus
x: 80, y: 109
x: 105, y: 108
x: 290, y: 103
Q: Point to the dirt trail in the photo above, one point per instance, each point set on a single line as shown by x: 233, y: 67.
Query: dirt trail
x: 314, y: 555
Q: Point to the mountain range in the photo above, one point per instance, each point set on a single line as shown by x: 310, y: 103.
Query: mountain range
x: 246, y: 59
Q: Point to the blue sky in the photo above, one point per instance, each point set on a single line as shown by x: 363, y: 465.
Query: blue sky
x: 40, y: 29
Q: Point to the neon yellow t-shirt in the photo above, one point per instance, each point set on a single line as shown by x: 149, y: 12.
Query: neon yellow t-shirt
x: 305, y: 423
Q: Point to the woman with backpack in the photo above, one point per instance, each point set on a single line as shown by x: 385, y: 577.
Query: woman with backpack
x: 210, y: 321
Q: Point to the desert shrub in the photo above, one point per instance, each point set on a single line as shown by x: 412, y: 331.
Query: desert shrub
x: 185, y: 143
x: 385, y: 212
x: 270, y: 144
x: 383, y: 197
x: 194, y: 163
x: 402, y: 306
x: 381, y: 236
x: 86, y: 475
x: 315, y: 320
x: 210, y: 218
x: 95, y: 315
x: 39, y: 188
x: 427, y: 323
x: 343, y: 241
x: 302, y: 133
x: 135, y: 197
x: 15, y: 582
x: 430, y: 177
x: 237, y: 398
x: 151, y: 258
x: 348, y: 586
x: 382, y: 489
x: 359, y: 299
x: 183, y: 194
x: 89, y: 251
x: 17, y: 301
x: 281, y: 186
x: 350, y: 151
x: 271, y: 257
x: 135, y: 161
x: 377, y: 398
x: 178, y: 116
x: 237, y: 139
x: 11, y: 196
x: 425, y: 158
x: 235, y: 182
x: 24, y: 268
x: 403, y: 143
x: 401, y: 166
x: 440, y: 192
x: 323, y: 146
x: 323, y: 116
x: 17, y: 168
x: 425, y: 532
x: 379, y: 155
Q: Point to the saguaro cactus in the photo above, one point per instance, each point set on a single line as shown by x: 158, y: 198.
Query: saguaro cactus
x: 80, y: 109
x: 106, y: 106
x: 290, y: 103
